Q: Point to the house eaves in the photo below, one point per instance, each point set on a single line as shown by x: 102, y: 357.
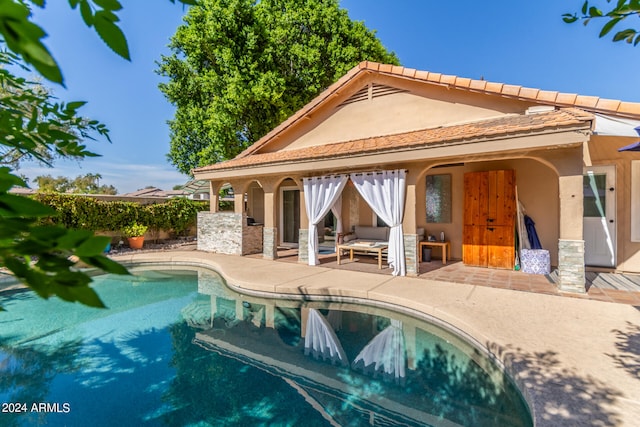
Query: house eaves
x: 441, y: 138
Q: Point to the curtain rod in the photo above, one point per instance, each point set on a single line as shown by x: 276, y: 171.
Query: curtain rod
x: 379, y: 172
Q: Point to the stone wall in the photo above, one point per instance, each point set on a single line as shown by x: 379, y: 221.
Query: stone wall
x: 412, y: 257
x: 571, y: 276
x: 228, y: 233
x: 303, y: 246
x: 251, y: 239
x: 270, y: 242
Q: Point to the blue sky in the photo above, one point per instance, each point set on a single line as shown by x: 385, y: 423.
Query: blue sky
x: 516, y: 42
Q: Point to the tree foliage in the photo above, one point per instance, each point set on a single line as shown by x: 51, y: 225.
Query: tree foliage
x: 612, y: 16
x: 34, y: 126
x: 45, y: 257
x: 240, y: 67
x: 82, y: 184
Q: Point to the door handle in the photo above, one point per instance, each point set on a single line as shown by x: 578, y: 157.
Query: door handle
x: 490, y: 219
x: 490, y: 228
x: 611, y: 221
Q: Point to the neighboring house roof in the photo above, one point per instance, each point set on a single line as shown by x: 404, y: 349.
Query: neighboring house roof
x: 154, y: 192
x: 506, y: 126
x: 558, y: 99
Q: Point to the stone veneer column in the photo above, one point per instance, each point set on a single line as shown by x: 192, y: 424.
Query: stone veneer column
x: 571, y: 275
x: 303, y: 246
x: 270, y: 243
x: 412, y: 258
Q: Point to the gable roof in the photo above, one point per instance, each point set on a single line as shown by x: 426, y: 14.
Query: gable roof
x: 512, y: 125
x: 589, y: 103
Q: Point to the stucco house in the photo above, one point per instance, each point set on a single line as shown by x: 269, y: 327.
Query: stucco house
x: 452, y: 155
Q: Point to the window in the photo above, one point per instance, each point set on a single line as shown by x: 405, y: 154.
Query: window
x: 439, y: 198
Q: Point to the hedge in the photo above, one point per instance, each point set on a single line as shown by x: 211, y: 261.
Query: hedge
x: 80, y: 212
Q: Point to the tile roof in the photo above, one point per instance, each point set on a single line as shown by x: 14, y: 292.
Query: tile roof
x: 493, y: 128
x: 558, y: 99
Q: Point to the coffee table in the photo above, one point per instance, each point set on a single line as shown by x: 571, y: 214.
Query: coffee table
x: 369, y: 247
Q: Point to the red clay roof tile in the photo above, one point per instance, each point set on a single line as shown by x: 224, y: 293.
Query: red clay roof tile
x: 559, y: 99
x: 493, y: 128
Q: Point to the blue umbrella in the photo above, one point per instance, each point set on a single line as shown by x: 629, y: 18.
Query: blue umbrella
x: 531, y: 231
x: 632, y: 147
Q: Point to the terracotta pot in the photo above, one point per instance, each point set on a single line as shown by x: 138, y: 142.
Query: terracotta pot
x: 136, y: 242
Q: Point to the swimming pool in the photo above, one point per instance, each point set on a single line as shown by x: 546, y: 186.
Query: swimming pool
x: 179, y: 348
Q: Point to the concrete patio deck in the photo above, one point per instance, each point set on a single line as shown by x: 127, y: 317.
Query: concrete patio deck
x: 576, y: 359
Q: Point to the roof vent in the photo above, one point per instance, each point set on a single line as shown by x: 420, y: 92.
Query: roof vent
x: 537, y: 109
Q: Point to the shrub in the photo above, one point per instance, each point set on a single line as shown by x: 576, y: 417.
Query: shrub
x: 81, y: 212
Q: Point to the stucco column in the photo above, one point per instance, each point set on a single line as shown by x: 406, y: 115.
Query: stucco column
x: 571, y: 273
x: 409, y: 228
x: 270, y: 230
x: 238, y: 196
x: 214, y: 198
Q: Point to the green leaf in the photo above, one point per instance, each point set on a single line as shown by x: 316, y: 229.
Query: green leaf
x: 625, y: 34
x: 111, y: 34
x: 18, y: 206
x: 74, y: 238
x: 8, y: 180
x: 585, y: 7
x: 86, y: 13
x: 595, y: 12
x: 93, y: 246
x: 569, y: 18
x: 106, y: 264
x: 108, y: 4
x: 608, y: 26
x: 75, y: 105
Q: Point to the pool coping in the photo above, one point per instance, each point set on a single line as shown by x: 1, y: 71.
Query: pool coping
x: 576, y: 361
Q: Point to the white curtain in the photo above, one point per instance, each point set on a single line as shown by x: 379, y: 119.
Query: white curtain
x: 321, y: 341
x: 336, y: 209
x: 320, y: 194
x: 385, y: 193
x: 385, y: 353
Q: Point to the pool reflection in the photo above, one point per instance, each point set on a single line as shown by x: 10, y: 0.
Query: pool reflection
x: 355, y: 364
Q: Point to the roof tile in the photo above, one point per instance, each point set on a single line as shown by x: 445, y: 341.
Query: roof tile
x: 547, y: 96
x: 478, y: 84
x: 492, y: 128
x: 606, y: 106
x: 447, y: 79
x: 512, y: 90
x: 566, y: 98
x: 586, y: 101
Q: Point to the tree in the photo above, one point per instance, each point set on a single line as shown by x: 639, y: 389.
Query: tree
x: 82, y: 184
x: 240, y: 67
x: 33, y: 126
x: 622, y: 10
x: 45, y: 257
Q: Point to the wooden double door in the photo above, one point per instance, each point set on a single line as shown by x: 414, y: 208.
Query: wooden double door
x: 489, y: 219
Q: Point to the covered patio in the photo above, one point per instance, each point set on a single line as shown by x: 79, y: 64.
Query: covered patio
x: 600, y: 286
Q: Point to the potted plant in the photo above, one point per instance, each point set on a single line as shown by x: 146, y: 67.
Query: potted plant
x: 135, y: 235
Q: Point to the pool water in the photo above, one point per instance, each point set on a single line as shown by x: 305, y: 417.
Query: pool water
x: 179, y: 348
